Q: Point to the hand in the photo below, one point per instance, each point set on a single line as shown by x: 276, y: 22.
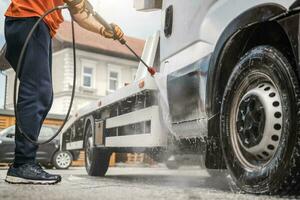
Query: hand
x: 76, y: 6
x: 116, y: 33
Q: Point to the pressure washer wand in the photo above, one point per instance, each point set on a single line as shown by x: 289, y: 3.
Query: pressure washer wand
x: 151, y: 70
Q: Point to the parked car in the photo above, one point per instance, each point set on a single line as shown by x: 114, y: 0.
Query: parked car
x: 48, y: 155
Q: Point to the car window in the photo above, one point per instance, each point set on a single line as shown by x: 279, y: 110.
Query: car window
x: 47, y: 132
x: 9, y: 130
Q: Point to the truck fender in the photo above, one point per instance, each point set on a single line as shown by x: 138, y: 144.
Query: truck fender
x: 255, y: 15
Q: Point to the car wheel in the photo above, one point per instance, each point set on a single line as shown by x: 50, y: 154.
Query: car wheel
x: 96, y: 159
x: 260, y: 123
x: 62, y: 159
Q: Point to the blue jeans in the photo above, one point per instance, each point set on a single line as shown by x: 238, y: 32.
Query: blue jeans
x: 35, y: 91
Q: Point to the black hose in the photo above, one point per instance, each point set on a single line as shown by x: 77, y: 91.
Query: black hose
x: 18, y: 71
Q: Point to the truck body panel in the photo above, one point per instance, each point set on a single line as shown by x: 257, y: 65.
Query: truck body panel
x: 204, y: 21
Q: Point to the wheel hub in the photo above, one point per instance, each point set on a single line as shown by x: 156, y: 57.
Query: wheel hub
x: 88, y: 147
x: 259, y: 123
x: 251, y: 121
x: 63, y: 160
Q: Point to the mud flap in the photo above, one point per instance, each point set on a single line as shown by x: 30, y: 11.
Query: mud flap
x: 214, y: 156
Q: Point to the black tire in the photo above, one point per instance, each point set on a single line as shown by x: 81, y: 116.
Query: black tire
x: 217, y: 173
x: 172, y: 165
x: 62, y: 160
x: 278, y: 172
x: 96, y: 159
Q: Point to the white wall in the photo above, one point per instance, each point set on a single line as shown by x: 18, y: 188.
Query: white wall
x: 2, y: 89
x: 101, y: 64
x: 9, y: 88
x: 62, y: 70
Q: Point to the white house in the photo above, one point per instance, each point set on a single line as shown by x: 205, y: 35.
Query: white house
x: 102, y: 67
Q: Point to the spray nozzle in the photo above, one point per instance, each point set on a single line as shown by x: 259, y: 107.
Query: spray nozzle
x: 151, y: 70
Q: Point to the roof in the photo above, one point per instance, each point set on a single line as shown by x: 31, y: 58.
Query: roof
x: 90, y: 41
x: 5, y: 112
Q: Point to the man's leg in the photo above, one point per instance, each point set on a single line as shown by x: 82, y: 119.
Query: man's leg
x: 47, y: 109
x: 35, y: 90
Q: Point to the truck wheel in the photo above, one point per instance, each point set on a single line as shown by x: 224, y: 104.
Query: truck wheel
x: 96, y: 159
x: 62, y: 159
x: 259, y: 124
x: 172, y: 163
x: 216, y: 173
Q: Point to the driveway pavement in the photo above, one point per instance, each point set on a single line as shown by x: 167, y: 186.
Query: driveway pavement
x: 128, y: 184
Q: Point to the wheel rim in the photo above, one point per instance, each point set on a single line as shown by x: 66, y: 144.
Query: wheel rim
x: 63, y: 160
x: 89, y: 146
x: 256, y: 121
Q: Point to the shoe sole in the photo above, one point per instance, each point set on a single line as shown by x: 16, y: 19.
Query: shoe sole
x: 17, y: 180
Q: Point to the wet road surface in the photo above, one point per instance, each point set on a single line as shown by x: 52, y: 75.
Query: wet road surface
x: 128, y: 184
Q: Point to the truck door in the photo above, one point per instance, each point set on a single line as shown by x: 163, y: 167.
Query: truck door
x: 179, y: 27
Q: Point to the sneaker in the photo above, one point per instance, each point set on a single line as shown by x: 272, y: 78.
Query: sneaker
x: 30, y: 173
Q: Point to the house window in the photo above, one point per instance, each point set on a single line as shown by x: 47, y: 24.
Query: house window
x: 87, y: 77
x: 88, y: 73
x: 113, y: 84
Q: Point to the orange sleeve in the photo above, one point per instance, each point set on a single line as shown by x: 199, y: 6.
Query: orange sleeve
x: 36, y: 8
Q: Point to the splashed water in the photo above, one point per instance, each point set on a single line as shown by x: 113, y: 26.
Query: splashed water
x: 162, y: 87
x: 162, y: 97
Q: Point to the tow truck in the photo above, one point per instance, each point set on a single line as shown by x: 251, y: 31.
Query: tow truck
x: 228, y: 91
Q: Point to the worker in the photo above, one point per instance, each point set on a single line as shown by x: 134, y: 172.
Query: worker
x: 35, y: 90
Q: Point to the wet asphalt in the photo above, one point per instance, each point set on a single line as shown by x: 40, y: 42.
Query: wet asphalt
x: 128, y: 183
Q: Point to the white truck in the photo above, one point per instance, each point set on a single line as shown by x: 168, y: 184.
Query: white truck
x: 227, y: 90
